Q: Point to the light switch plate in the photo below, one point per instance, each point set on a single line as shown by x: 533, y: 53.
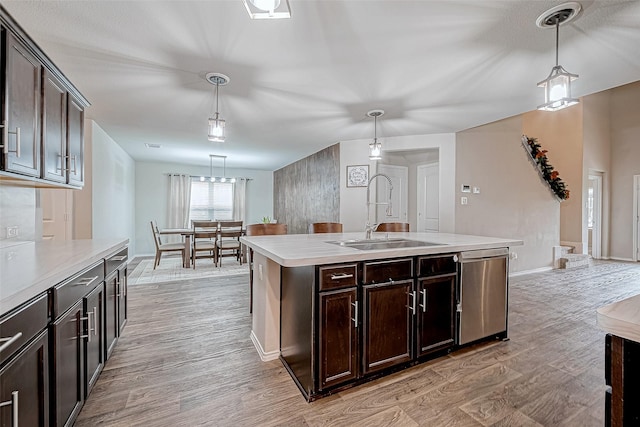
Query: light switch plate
x: 463, y: 200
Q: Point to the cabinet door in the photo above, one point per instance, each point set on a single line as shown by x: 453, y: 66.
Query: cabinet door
x: 54, y: 129
x: 436, y: 313
x: 21, y: 134
x: 68, y: 364
x: 111, y: 313
x: 338, y: 337
x: 24, y: 386
x: 122, y: 298
x: 75, y: 140
x: 94, y: 342
x: 387, y: 324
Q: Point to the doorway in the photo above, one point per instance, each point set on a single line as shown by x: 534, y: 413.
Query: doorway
x: 399, y: 177
x: 636, y: 217
x: 57, y: 208
x: 428, y: 195
x: 594, y: 215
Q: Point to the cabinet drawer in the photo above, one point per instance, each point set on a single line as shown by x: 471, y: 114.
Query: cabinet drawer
x: 436, y: 265
x: 112, y: 262
x: 338, y: 276
x: 384, y: 271
x: 28, y: 320
x: 70, y: 291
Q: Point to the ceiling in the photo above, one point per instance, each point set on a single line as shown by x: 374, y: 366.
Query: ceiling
x: 299, y: 85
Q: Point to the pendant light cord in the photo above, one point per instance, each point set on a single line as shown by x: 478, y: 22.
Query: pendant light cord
x: 557, y: 37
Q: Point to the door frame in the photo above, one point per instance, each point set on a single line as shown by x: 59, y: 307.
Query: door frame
x: 420, y: 189
x: 596, y: 233
x: 636, y: 218
x: 403, y: 205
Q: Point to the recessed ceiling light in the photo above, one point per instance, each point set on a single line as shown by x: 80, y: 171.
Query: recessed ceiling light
x: 152, y: 145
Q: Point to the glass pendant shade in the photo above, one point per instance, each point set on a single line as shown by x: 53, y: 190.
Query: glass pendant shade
x: 216, y: 129
x: 266, y: 5
x: 375, y: 150
x: 557, y: 90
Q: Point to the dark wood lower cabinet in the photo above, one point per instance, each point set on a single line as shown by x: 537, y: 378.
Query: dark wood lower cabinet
x: 387, y: 324
x: 24, y: 386
x: 622, y: 375
x: 436, y: 313
x: 68, y: 365
x: 338, y: 337
x: 122, y: 298
x: 94, y: 347
x: 112, y: 328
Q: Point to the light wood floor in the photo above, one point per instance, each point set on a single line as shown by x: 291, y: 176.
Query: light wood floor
x: 185, y: 359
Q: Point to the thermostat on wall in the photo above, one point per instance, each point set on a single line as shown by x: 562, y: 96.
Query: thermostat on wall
x: 466, y: 188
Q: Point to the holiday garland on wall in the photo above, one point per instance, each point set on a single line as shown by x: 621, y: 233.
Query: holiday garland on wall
x: 547, y: 172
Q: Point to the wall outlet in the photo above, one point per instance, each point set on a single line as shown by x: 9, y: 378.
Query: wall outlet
x: 463, y: 200
x: 476, y: 190
x: 513, y: 255
x: 12, y: 231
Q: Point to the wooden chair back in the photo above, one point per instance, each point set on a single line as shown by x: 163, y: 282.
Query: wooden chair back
x: 204, y: 229
x: 325, y: 227
x: 392, y: 226
x: 266, y: 229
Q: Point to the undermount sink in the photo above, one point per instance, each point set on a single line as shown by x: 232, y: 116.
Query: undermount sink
x: 370, y: 244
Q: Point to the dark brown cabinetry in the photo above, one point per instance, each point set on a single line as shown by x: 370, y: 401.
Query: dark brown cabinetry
x: 54, y: 129
x: 94, y: 349
x: 122, y: 297
x: 21, y: 108
x: 24, y: 365
x: 115, y: 298
x: 622, y: 376
x: 42, y: 114
x: 435, y: 314
x: 68, y: 365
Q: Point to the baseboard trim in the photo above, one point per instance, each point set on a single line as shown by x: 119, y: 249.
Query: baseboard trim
x: 535, y: 270
x: 264, y: 356
x: 613, y: 258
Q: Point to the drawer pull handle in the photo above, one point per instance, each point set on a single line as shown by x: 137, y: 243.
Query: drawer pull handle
x: 355, y: 314
x: 118, y: 258
x: 14, y: 407
x: 8, y: 341
x: 87, y: 281
x: 341, y: 276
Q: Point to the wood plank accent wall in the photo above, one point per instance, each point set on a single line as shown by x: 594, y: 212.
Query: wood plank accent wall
x: 308, y: 191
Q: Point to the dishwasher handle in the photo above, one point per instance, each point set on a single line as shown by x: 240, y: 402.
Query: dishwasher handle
x: 471, y: 256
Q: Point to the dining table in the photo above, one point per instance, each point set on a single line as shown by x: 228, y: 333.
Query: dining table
x: 186, y: 233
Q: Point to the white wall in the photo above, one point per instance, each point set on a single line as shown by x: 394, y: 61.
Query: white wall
x: 18, y: 209
x: 151, y: 187
x: 353, y: 210
x: 113, y: 187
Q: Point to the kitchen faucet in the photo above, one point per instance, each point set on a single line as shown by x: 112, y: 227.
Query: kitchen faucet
x: 368, y: 226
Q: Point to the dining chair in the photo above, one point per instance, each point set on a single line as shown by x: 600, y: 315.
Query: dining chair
x: 325, y: 227
x: 228, y: 243
x: 392, y: 226
x: 164, y: 247
x: 260, y: 230
x: 205, y: 235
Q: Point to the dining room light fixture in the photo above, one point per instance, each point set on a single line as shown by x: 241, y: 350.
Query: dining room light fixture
x: 557, y: 86
x: 268, y: 9
x: 222, y: 178
x: 216, y: 124
x: 375, y: 147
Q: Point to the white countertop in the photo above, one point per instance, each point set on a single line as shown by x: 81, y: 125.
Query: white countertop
x: 31, y: 268
x: 621, y: 318
x: 295, y: 250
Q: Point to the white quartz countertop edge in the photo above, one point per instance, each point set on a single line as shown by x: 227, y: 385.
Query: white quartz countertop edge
x: 29, y: 269
x: 296, y: 250
x: 621, y: 318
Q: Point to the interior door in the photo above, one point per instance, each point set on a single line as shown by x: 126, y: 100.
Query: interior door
x: 399, y: 177
x: 428, y: 189
x: 57, y: 211
x: 594, y: 221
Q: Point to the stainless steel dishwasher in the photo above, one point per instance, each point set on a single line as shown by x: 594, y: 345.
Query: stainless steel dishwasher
x: 482, y: 297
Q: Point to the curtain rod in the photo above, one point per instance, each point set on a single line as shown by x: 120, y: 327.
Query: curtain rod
x: 198, y: 176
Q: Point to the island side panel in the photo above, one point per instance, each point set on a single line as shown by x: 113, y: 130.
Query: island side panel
x: 297, y: 332
x: 265, y: 326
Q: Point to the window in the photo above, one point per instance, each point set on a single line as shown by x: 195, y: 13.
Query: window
x: 211, y: 200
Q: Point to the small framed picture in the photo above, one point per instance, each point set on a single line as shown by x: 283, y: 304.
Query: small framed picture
x: 357, y: 175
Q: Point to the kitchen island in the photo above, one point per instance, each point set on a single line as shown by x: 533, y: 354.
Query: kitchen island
x: 338, y: 309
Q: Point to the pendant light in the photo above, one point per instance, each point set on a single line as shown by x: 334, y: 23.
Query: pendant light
x: 216, y: 124
x: 557, y: 86
x: 268, y: 9
x: 223, y: 178
x: 375, y: 147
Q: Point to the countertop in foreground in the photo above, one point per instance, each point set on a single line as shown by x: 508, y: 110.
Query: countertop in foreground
x: 621, y: 318
x: 30, y: 268
x: 295, y: 250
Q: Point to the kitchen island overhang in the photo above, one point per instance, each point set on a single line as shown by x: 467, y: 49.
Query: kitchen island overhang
x: 293, y: 260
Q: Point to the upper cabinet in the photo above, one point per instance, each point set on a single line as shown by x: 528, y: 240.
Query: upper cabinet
x: 42, y: 138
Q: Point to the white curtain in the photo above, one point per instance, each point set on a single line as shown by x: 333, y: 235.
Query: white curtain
x: 178, y: 201
x: 239, y: 200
